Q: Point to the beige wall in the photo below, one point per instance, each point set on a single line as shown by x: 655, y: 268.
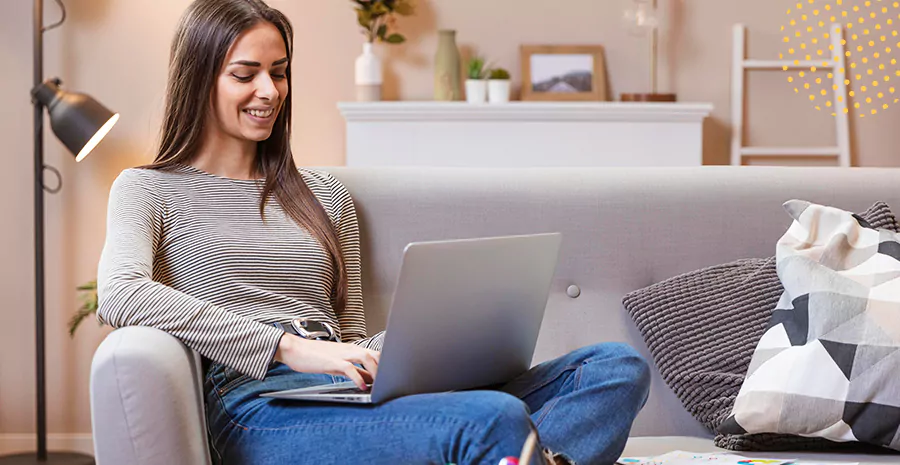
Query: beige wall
x: 117, y: 52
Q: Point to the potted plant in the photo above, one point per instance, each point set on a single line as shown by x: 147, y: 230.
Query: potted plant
x: 476, y: 86
x: 498, y: 86
x: 377, y: 20
x: 88, y: 305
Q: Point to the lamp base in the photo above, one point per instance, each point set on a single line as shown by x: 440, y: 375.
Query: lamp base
x: 648, y: 97
x: 53, y: 458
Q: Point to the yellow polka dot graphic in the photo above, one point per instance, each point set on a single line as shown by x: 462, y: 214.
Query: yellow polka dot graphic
x: 861, y: 27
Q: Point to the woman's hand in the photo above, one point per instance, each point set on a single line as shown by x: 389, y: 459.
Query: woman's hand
x: 333, y: 358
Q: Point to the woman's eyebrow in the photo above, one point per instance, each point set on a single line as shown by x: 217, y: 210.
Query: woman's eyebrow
x: 256, y: 63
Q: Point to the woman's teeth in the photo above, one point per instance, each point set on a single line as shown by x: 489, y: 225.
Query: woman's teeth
x: 261, y: 113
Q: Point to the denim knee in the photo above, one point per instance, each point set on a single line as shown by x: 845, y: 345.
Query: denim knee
x: 486, y: 407
x: 629, y: 355
x: 500, y: 422
x: 636, y: 364
x: 630, y: 364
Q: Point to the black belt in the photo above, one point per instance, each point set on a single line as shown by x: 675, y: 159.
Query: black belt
x: 309, y: 329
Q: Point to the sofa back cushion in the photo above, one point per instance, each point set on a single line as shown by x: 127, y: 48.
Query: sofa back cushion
x: 623, y: 229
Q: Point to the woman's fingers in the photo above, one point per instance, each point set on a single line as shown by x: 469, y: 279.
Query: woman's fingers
x: 356, y: 363
x: 369, y: 361
x: 369, y: 378
x: 352, y: 372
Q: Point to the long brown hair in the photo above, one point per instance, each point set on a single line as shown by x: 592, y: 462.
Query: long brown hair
x: 205, y: 33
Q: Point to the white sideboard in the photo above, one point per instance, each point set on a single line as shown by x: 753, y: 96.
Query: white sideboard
x: 524, y: 134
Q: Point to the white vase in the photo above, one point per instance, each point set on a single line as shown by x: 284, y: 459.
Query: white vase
x: 368, y: 75
x: 476, y: 90
x: 498, y: 90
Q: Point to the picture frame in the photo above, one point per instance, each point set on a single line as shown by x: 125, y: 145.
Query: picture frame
x: 563, y: 72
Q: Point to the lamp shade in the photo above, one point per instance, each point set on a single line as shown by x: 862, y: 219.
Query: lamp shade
x: 78, y: 120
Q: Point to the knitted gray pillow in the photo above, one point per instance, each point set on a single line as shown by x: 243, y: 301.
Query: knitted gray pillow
x: 702, y: 327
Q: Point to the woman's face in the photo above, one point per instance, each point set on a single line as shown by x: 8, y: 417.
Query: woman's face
x: 252, y: 85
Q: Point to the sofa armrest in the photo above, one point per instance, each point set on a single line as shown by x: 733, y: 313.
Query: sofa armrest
x: 147, y: 400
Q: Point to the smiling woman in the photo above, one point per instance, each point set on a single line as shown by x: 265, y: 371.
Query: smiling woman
x: 249, y: 92
x: 228, y: 115
x: 194, y: 248
x: 228, y: 109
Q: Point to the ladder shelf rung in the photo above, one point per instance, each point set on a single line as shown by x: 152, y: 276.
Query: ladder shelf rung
x: 792, y: 151
x: 779, y: 64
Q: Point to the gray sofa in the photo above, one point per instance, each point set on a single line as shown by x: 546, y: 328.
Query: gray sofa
x: 623, y: 229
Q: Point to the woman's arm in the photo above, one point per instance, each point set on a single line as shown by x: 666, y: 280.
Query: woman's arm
x: 373, y: 342
x: 352, y: 319
x: 128, y: 295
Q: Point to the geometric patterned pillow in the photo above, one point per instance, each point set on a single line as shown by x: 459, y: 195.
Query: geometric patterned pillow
x: 701, y: 328
x: 828, y: 364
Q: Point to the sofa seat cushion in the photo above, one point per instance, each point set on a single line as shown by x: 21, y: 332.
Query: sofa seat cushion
x: 649, y: 446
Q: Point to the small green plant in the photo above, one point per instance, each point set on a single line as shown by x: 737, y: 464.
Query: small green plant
x: 88, y: 305
x: 475, y: 69
x: 376, y: 17
x: 499, y: 73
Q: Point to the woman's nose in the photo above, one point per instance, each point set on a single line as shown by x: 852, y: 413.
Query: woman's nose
x: 265, y: 88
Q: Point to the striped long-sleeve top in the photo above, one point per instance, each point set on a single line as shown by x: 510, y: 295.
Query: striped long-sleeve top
x: 187, y: 252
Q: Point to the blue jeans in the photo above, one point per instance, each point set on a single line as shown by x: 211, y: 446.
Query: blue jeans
x: 582, y: 405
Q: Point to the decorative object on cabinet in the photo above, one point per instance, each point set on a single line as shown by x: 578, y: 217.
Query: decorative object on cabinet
x: 476, y: 84
x: 376, y: 20
x: 563, y: 72
x: 643, y: 20
x: 498, y: 86
x: 369, y: 75
x: 447, y: 67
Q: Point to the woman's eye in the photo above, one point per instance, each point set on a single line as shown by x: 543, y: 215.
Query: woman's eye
x: 278, y: 76
x: 242, y: 78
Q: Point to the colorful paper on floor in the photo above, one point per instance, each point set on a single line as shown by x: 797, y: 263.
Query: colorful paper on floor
x: 692, y: 458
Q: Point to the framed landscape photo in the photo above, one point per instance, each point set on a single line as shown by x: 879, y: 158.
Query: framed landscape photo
x: 563, y: 72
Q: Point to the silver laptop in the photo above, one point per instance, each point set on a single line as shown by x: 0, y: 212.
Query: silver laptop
x: 465, y: 314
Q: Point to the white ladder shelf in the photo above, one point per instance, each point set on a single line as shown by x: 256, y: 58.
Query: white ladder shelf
x: 836, y: 66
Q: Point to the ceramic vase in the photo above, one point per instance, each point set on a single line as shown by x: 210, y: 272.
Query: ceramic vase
x: 446, y: 68
x: 368, y: 75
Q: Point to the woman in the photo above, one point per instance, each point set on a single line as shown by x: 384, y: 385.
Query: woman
x: 222, y: 236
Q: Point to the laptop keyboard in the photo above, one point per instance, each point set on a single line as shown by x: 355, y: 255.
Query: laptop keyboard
x: 349, y: 391
x: 353, y: 390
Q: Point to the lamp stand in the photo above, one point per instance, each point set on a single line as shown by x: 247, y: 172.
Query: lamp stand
x: 653, y: 96
x: 41, y: 456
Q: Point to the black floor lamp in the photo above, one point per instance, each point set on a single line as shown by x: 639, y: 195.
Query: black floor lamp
x: 80, y: 123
